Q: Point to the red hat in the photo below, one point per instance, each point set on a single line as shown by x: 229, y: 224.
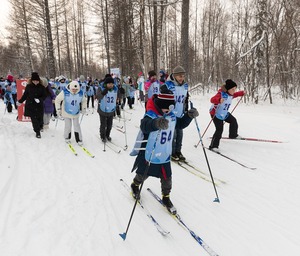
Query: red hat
x: 10, y: 78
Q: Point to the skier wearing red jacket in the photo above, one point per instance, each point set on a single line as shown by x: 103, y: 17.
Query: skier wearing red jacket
x: 219, y: 112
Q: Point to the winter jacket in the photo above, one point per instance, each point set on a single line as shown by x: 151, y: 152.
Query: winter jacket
x: 147, y: 126
x: 48, y: 102
x: 103, y: 99
x: 181, y: 95
x: 215, y: 100
x: 60, y: 103
x: 32, y: 92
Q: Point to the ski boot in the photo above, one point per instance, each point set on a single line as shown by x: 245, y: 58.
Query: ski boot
x: 170, y: 207
x: 135, y: 191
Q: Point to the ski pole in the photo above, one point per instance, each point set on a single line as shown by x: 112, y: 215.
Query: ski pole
x: 5, y: 108
x: 125, y: 133
x: 137, y: 197
x: 205, y: 130
x: 81, y: 118
x: 211, y: 176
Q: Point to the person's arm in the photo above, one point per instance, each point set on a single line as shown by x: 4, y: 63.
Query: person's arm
x: 239, y: 94
x: 24, y: 96
x: 216, y: 99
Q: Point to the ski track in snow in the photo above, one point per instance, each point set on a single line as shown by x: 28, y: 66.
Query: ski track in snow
x: 54, y: 203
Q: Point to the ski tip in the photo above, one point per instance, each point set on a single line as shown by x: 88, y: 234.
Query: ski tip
x: 123, y: 236
x: 217, y: 200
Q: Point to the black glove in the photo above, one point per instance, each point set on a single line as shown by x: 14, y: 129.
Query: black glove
x: 105, y: 91
x: 193, y: 112
x: 161, y: 123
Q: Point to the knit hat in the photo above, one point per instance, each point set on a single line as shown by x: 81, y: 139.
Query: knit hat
x: 10, y: 78
x: 165, y: 98
x: 44, y: 81
x: 229, y: 84
x: 151, y: 73
x: 35, y: 76
x: 178, y: 70
x: 109, y: 80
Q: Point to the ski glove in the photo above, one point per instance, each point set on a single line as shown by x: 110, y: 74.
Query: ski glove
x: 193, y: 112
x: 36, y: 100
x: 105, y: 91
x: 18, y: 103
x: 161, y: 123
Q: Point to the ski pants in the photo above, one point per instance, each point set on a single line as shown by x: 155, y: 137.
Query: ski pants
x: 177, y: 140
x: 68, y: 128
x: 219, y: 124
x: 37, y: 122
x: 166, y: 183
x: 105, y: 125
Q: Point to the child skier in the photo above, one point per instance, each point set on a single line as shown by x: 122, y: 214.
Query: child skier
x: 107, y: 98
x: 219, y: 112
x: 68, y: 104
x: 157, y: 129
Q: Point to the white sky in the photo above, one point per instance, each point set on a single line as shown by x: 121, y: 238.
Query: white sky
x: 4, y: 10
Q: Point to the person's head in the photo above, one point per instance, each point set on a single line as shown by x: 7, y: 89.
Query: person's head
x: 44, y: 81
x: 152, y: 75
x: 179, y: 74
x: 74, y: 87
x: 165, y: 100
x: 81, y: 78
x: 109, y: 82
x: 35, y: 78
x: 230, y: 86
x: 62, y: 79
x: 10, y: 78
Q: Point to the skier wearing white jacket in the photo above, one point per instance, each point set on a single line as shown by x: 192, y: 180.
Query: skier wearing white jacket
x: 69, y: 103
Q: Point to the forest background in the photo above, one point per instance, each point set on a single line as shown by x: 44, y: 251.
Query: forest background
x: 254, y: 42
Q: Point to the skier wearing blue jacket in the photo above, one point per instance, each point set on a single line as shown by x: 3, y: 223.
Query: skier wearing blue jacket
x: 157, y: 128
x: 107, y: 98
x: 177, y: 84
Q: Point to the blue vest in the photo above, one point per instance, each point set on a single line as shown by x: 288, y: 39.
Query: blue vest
x: 222, y: 110
x: 159, y: 149
x: 154, y: 89
x: 72, y: 102
x: 83, y: 86
x: 109, y: 101
x: 13, y: 88
x: 180, y: 93
x: 91, y: 91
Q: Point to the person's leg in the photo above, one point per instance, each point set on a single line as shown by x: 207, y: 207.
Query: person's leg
x: 88, y: 101
x: 135, y: 185
x: 102, y: 126
x: 77, y: 130
x: 233, y: 126
x: 215, y: 141
x: 179, y: 138
x: 68, y: 128
x: 109, y: 123
x: 166, y: 185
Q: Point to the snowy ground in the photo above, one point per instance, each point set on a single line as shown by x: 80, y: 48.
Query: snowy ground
x: 53, y: 203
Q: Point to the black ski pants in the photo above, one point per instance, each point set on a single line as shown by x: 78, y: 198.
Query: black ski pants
x: 219, y: 124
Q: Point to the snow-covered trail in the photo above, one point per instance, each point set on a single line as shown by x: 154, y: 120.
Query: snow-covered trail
x: 53, y: 203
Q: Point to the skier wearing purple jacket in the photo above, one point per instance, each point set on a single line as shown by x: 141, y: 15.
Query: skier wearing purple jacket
x: 48, y: 103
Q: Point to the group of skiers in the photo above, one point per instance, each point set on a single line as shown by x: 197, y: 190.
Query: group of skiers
x: 160, y: 137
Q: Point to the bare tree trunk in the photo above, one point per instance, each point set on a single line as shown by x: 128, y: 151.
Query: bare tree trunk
x: 50, y: 48
x: 29, y: 54
x: 57, y: 38
x: 68, y: 43
x: 185, y: 35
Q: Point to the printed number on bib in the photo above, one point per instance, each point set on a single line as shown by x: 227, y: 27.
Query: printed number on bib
x: 165, y: 137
